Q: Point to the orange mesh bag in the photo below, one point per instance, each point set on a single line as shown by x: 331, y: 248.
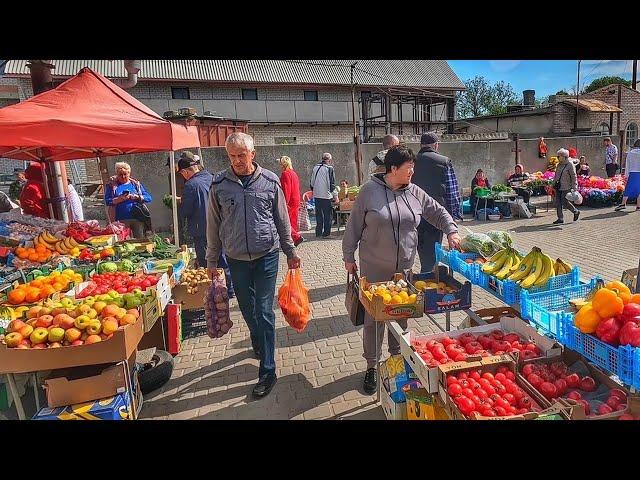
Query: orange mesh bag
x: 293, y: 298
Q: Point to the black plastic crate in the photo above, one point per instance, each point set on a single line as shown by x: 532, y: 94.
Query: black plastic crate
x: 194, y: 324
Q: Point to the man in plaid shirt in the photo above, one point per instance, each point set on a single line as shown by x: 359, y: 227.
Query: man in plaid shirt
x: 610, y: 157
x: 435, y: 175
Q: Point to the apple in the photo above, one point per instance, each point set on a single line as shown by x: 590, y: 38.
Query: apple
x: 63, y: 320
x: 128, y: 319
x: 72, y: 334
x: 82, y: 322
x: 56, y: 334
x: 75, y: 343
x: 39, y: 346
x: 82, y: 309
x: 44, y: 321
x: 109, y: 325
x: 120, y: 314
x: 94, y: 327
x: 92, y: 339
x: 26, y: 342
x: 57, y: 311
x: 92, y: 314
x: 136, y: 313
x: 15, y: 325
x: 66, y: 302
x: 13, y: 339
x: 39, y: 335
x: 34, y: 312
x: 55, y: 345
x: 99, y: 306
x: 26, y: 331
x: 22, y: 346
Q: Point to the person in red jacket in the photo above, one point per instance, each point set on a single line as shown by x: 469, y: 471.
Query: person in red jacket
x: 291, y: 187
x: 32, y: 198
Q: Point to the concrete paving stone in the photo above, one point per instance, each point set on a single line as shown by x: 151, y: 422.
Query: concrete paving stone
x: 317, y: 413
x: 312, y: 366
x: 303, y: 360
x: 332, y: 362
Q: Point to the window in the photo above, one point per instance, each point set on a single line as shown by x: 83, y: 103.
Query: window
x: 631, y: 135
x: 604, y: 127
x: 249, y: 94
x: 311, y: 95
x: 180, y: 93
x: 284, y: 140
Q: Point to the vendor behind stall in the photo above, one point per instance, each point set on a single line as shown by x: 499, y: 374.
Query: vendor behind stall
x: 479, y: 181
x: 583, y: 169
x: 516, y: 181
x: 126, y: 198
x: 32, y: 197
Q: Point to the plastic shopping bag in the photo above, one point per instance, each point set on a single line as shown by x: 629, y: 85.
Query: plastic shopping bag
x: 293, y: 298
x: 304, y: 222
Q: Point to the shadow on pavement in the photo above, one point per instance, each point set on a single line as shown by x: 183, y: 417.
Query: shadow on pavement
x: 608, y: 214
x: 322, y: 293
x: 537, y: 228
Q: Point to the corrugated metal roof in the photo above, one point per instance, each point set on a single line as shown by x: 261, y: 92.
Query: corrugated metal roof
x: 409, y: 73
x: 591, y: 105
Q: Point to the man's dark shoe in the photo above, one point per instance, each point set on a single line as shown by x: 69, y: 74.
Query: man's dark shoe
x: 370, y: 384
x: 299, y: 241
x: 326, y: 236
x: 576, y: 216
x: 621, y: 207
x: 558, y: 222
x: 264, y: 386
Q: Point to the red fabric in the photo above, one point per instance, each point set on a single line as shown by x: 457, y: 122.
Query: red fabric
x: 573, y: 153
x: 85, y: 117
x: 482, y: 182
x: 32, y: 197
x: 291, y: 188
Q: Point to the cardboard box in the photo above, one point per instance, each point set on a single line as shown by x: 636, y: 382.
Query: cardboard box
x: 435, y: 302
x: 488, y: 316
x: 85, y: 384
x: 193, y: 301
x: 395, y: 378
x: 383, y: 313
x: 346, y: 205
x: 429, y: 375
x: 422, y: 405
x: 487, y: 364
x: 630, y: 279
x: 576, y: 411
x: 151, y: 311
x: 119, y: 347
x: 392, y: 410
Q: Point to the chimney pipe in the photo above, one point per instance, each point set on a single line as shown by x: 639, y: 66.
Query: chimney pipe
x: 132, y: 67
x: 529, y: 98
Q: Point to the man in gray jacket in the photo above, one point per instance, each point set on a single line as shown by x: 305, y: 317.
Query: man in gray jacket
x: 247, y: 218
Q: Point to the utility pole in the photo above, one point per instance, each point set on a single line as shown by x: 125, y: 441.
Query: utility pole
x: 356, y: 133
x: 575, y: 120
x: 634, y: 78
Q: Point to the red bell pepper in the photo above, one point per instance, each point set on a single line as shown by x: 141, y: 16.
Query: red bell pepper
x: 608, y: 331
x: 630, y: 334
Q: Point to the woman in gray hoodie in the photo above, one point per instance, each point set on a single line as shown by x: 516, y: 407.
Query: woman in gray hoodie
x: 383, y: 226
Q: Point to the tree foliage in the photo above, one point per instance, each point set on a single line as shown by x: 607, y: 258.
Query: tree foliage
x: 482, y: 98
x: 604, y: 81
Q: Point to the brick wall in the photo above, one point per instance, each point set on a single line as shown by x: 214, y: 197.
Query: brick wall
x: 304, y: 134
x: 562, y: 118
x: 629, y: 103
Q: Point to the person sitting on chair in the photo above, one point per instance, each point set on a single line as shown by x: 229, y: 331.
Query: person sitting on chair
x: 516, y: 180
x: 480, y: 180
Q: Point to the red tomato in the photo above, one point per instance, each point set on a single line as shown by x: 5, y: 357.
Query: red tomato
x: 454, y: 390
x: 467, y: 392
x: 465, y: 404
x: 487, y: 376
x: 509, y: 398
x: 474, y: 375
x: 573, y: 380
x: 500, y: 411
x: 510, y: 375
x: 451, y: 379
x: 446, y: 341
x: 500, y: 377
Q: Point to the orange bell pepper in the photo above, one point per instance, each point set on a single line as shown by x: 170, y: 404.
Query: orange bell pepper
x: 607, y: 303
x: 635, y: 298
x: 587, y: 319
x: 623, y: 291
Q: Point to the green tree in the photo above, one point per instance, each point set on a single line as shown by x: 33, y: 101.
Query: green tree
x: 604, y: 81
x: 562, y: 92
x: 482, y: 98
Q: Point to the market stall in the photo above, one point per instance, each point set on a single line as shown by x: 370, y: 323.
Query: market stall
x: 564, y: 348
x: 82, y: 294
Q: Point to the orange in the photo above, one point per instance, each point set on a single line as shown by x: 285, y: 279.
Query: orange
x: 41, y: 249
x: 33, y: 295
x: 33, y: 257
x: 31, y: 250
x: 23, y: 254
x: 42, y: 258
x: 20, y: 251
x: 58, y: 286
x: 17, y: 296
x: 46, y: 290
x: 35, y: 283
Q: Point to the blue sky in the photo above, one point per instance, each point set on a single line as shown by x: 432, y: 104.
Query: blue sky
x: 546, y: 77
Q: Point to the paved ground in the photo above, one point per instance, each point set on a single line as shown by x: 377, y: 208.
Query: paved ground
x: 321, y: 370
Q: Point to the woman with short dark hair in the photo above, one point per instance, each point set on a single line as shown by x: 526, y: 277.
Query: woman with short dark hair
x: 479, y: 180
x: 383, y: 227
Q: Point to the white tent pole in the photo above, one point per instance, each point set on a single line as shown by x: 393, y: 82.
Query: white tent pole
x: 174, y: 200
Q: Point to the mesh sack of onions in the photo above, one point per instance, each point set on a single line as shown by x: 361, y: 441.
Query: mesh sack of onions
x: 216, y: 309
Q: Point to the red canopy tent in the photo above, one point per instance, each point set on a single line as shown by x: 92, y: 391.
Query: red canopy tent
x: 88, y: 116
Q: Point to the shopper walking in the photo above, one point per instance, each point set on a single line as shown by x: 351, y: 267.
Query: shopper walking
x: 565, y: 181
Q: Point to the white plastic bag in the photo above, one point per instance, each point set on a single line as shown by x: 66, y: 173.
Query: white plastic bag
x: 574, y: 197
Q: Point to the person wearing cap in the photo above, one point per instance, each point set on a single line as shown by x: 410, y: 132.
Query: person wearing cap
x: 564, y: 182
x: 193, y: 209
x: 516, y: 181
x: 247, y: 216
x: 18, y: 184
x: 573, y: 156
x: 125, y: 196
x: 376, y: 165
x: 632, y: 171
x: 435, y: 175
x: 610, y: 157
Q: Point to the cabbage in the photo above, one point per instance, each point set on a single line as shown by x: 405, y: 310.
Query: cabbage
x: 479, y: 243
x: 126, y: 265
x: 107, y: 267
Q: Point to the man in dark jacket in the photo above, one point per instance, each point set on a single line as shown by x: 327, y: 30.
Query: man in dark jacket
x: 193, y: 209
x: 434, y: 174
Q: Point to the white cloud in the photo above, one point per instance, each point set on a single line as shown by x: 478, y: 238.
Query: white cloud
x: 504, y: 65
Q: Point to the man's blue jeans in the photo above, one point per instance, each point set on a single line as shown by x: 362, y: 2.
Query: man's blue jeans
x: 255, y: 284
x: 201, y: 252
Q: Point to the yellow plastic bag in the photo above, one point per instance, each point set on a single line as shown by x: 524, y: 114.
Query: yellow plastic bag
x: 293, y: 298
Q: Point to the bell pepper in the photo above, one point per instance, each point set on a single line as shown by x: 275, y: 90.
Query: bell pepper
x: 630, y: 334
x: 609, y: 331
x: 622, y: 290
x: 607, y: 303
x: 587, y: 319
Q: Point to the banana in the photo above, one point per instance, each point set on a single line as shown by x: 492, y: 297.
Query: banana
x: 73, y: 242
x: 504, y: 271
x: 525, y: 266
x: 567, y: 267
x: 547, y: 271
x: 534, y: 273
x: 59, y: 248
x: 67, y: 243
x: 48, y: 237
x: 496, y: 262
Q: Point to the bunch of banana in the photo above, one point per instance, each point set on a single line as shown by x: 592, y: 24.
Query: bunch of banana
x: 68, y: 246
x: 502, y: 263
x: 46, y: 240
x: 561, y: 267
x: 535, y: 269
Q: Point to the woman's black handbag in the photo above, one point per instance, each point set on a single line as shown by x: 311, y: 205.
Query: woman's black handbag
x: 352, y: 300
x: 141, y: 212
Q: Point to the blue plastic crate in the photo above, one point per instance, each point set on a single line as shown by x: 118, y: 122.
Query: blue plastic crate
x: 617, y: 360
x: 635, y: 381
x: 471, y: 271
x: 509, y: 291
x: 544, y: 309
x: 442, y: 255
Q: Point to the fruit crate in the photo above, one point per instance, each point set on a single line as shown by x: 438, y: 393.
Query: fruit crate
x: 435, y: 302
x: 442, y: 255
x: 544, y: 309
x: 471, y: 271
x: 617, y: 360
x: 510, y: 292
x: 635, y: 380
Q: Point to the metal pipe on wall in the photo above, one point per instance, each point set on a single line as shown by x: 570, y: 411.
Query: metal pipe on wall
x: 174, y: 202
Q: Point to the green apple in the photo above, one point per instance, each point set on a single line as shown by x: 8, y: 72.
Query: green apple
x: 113, y: 294
x: 56, y: 334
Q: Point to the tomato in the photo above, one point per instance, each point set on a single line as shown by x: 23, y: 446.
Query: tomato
x: 480, y: 392
x: 485, y: 341
x: 618, y: 393
x: 459, y: 357
x: 524, y: 402
x: 604, y: 409
x: 510, y: 387
x: 549, y: 390
x: 500, y: 345
x: 518, y: 394
x: 121, y: 290
x: 145, y: 284
x: 573, y: 380
x: 489, y: 389
x: 439, y: 353
x: 465, y: 405
x: 585, y: 404
x: 454, y: 390
x: 574, y: 395
x: 561, y: 386
x: 501, y: 402
x: 487, y: 376
x: 446, y: 341
x: 613, y: 402
x: 451, y: 379
x: 516, y: 346
x: 509, y: 398
x: 464, y: 383
x: 467, y: 392
x: 522, y: 411
x: 462, y: 375
x: 475, y: 375
x: 466, y: 338
x: 587, y: 384
x: 535, y: 380
x: 511, y: 337
x: 496, y: 334
x: 500, y: 377
x: 500, y: 411
x: 488, y: 412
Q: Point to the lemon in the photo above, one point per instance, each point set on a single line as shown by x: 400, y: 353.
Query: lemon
x: 404, y: 296
x: 396, y: 300
x: 55, y: 273
x: 68, y: 272
x: 386, y: 298
x: 420, y: 285
x: 413, y: 298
